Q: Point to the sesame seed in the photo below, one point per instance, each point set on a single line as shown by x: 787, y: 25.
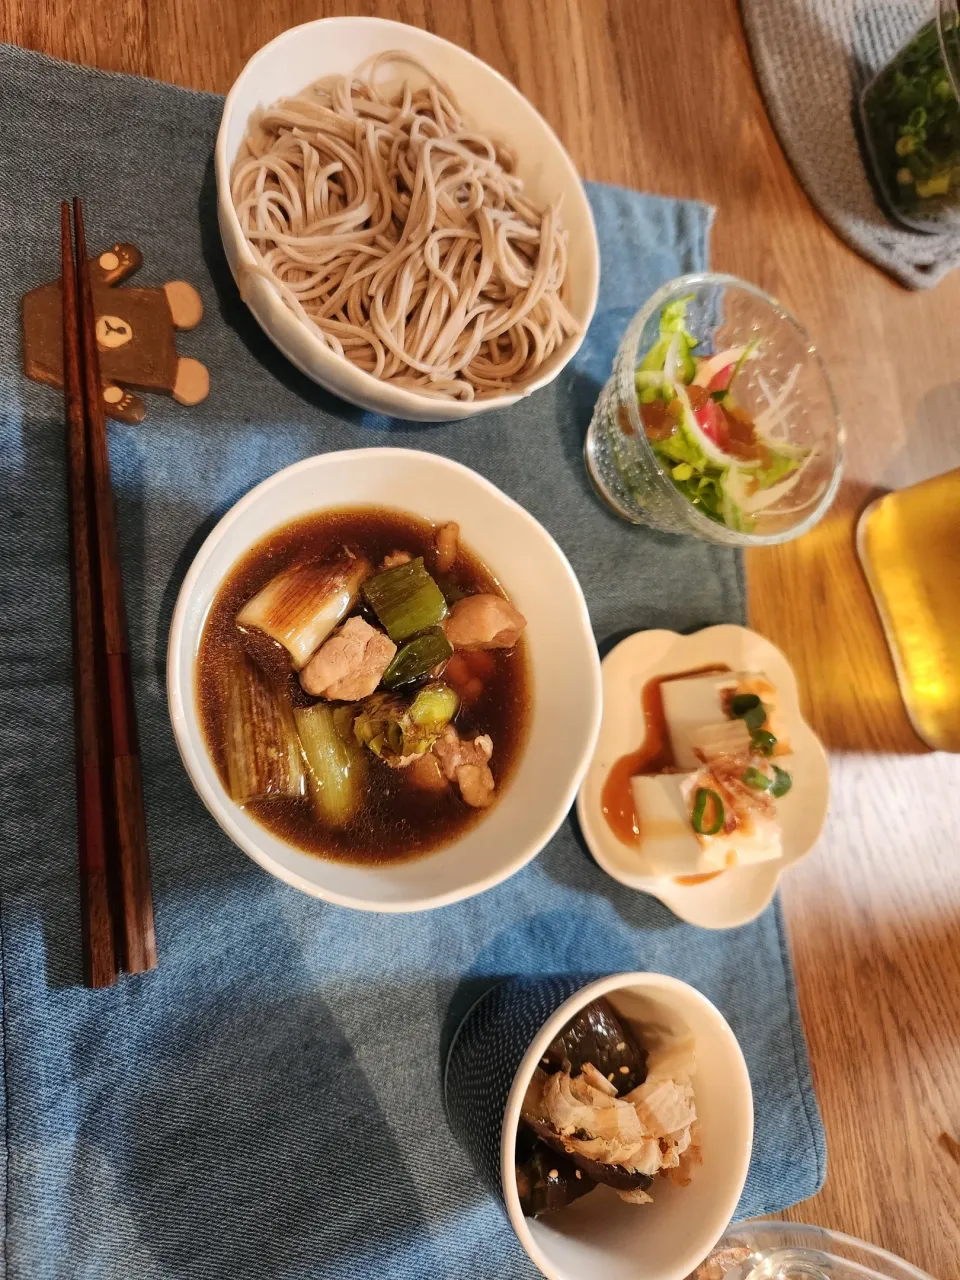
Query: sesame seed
x: 545, y: 1061
x: 624, y: 1071
x: 610, y: 1077
x: 553, y: 1174
x: 579, y: 1174
x: 621, y: 1045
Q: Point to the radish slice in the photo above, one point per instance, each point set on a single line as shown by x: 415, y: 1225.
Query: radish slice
x: 708, y: 368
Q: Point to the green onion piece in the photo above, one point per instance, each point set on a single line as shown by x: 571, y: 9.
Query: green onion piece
x: 719, y: 396
x: 763, y: 742
x: 337, y: 763
x: 393, y: 727
x: 417, y: 657
x: 744, y: 702
x: 748, y: 708
x: 405, y: 599
x: 782, y: 782
x: 703, y: 797
x: 757, y: 779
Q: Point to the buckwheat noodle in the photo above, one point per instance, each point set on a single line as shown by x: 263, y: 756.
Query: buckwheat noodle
x: 403, y: 237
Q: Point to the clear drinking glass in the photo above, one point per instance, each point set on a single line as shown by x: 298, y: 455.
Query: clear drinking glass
x: 911, y: 123
x: 784, y: 376
x: 788, y: 1251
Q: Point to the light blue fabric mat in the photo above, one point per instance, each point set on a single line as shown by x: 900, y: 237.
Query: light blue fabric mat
x: 267, y: 1102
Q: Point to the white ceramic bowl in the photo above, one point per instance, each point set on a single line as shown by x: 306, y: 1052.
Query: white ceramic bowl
x: 565, y: 672
x: 602, y: 1236
x: 331, y: 46
x: 740, y: 894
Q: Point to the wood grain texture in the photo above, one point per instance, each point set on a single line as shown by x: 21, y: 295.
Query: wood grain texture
x: 660, y: 95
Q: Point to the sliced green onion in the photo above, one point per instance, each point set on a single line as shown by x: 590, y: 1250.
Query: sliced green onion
x: 405, y: 599
x: 782, y: 782
x: 703, y: 797
x: 417, y: 657
x: 763, y: 742
x: 748, y: 708
x: 757, y: 779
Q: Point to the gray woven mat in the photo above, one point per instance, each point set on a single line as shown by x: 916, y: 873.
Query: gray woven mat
x: 813, y: 58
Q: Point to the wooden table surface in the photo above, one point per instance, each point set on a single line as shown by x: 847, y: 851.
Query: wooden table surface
x: 660, y: 95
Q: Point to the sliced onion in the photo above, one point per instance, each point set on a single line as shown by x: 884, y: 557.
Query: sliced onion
x: 671, y: 362
x: 708, y: 369
x: 768, y: 420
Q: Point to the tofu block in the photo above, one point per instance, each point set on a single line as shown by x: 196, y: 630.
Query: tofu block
x: 668, y: 842
x: 694, y: 703
x: 670, y: 846
x: 688, y: 705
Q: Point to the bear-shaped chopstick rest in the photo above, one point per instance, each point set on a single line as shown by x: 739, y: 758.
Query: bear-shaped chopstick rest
x: 135, y: 336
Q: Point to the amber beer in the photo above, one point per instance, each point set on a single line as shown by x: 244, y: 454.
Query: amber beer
x: 909, y: 544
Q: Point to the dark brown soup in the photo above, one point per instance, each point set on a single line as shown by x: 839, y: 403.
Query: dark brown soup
x: 396, y: 820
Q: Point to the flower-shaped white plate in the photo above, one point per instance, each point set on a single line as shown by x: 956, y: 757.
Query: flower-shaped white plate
x: 740, y: 894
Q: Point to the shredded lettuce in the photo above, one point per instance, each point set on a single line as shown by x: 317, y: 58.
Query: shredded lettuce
x: 673, y: 327
x: 682, y: 447
x: 780, y: 467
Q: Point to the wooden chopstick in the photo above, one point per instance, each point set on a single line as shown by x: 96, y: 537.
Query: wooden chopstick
x: 99, y: 958
x: 134, y: 900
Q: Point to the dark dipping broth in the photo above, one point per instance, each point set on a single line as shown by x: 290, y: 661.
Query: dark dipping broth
x: 654, y: 755
x: 397, y: 820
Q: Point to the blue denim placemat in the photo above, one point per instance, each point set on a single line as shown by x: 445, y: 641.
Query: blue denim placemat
x: 267, y: 1102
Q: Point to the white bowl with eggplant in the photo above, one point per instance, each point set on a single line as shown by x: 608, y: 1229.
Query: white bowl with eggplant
x: 369, y: 679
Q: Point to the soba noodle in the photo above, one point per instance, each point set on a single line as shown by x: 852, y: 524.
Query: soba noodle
x: 402, y: 237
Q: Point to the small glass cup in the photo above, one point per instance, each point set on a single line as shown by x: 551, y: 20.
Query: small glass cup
x: 794, y: 1251
x: 911, y: 124
x: 785, y: 376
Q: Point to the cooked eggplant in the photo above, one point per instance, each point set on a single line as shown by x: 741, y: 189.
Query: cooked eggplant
x: 597, y: 1035
x: 534, y: 1115
x: 548, y: 1180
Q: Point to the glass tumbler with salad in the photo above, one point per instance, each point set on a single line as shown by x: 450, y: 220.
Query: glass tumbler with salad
x: 718, y: 419
x: 911, y: 124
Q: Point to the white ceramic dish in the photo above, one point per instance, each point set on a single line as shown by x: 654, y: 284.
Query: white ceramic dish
x: 601, y: 1235
x: 565, y: 671
x: 740, y: 894
x: 332, y: 46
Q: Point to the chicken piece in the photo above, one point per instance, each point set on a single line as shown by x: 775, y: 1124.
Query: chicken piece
x: 467, y: 764
x: 394, y: 558
x: 427, y: 773
x: 484, y: 622
x: 447, y: 546
x: 350, y: 664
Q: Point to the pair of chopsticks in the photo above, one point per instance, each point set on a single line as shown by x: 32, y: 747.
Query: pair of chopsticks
x: 115, y: 897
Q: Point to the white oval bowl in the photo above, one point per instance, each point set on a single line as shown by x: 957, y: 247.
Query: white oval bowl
x: 602, y: 1236
x: 331, y: 46
x: 741, y: 893
x: 564, y: 672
